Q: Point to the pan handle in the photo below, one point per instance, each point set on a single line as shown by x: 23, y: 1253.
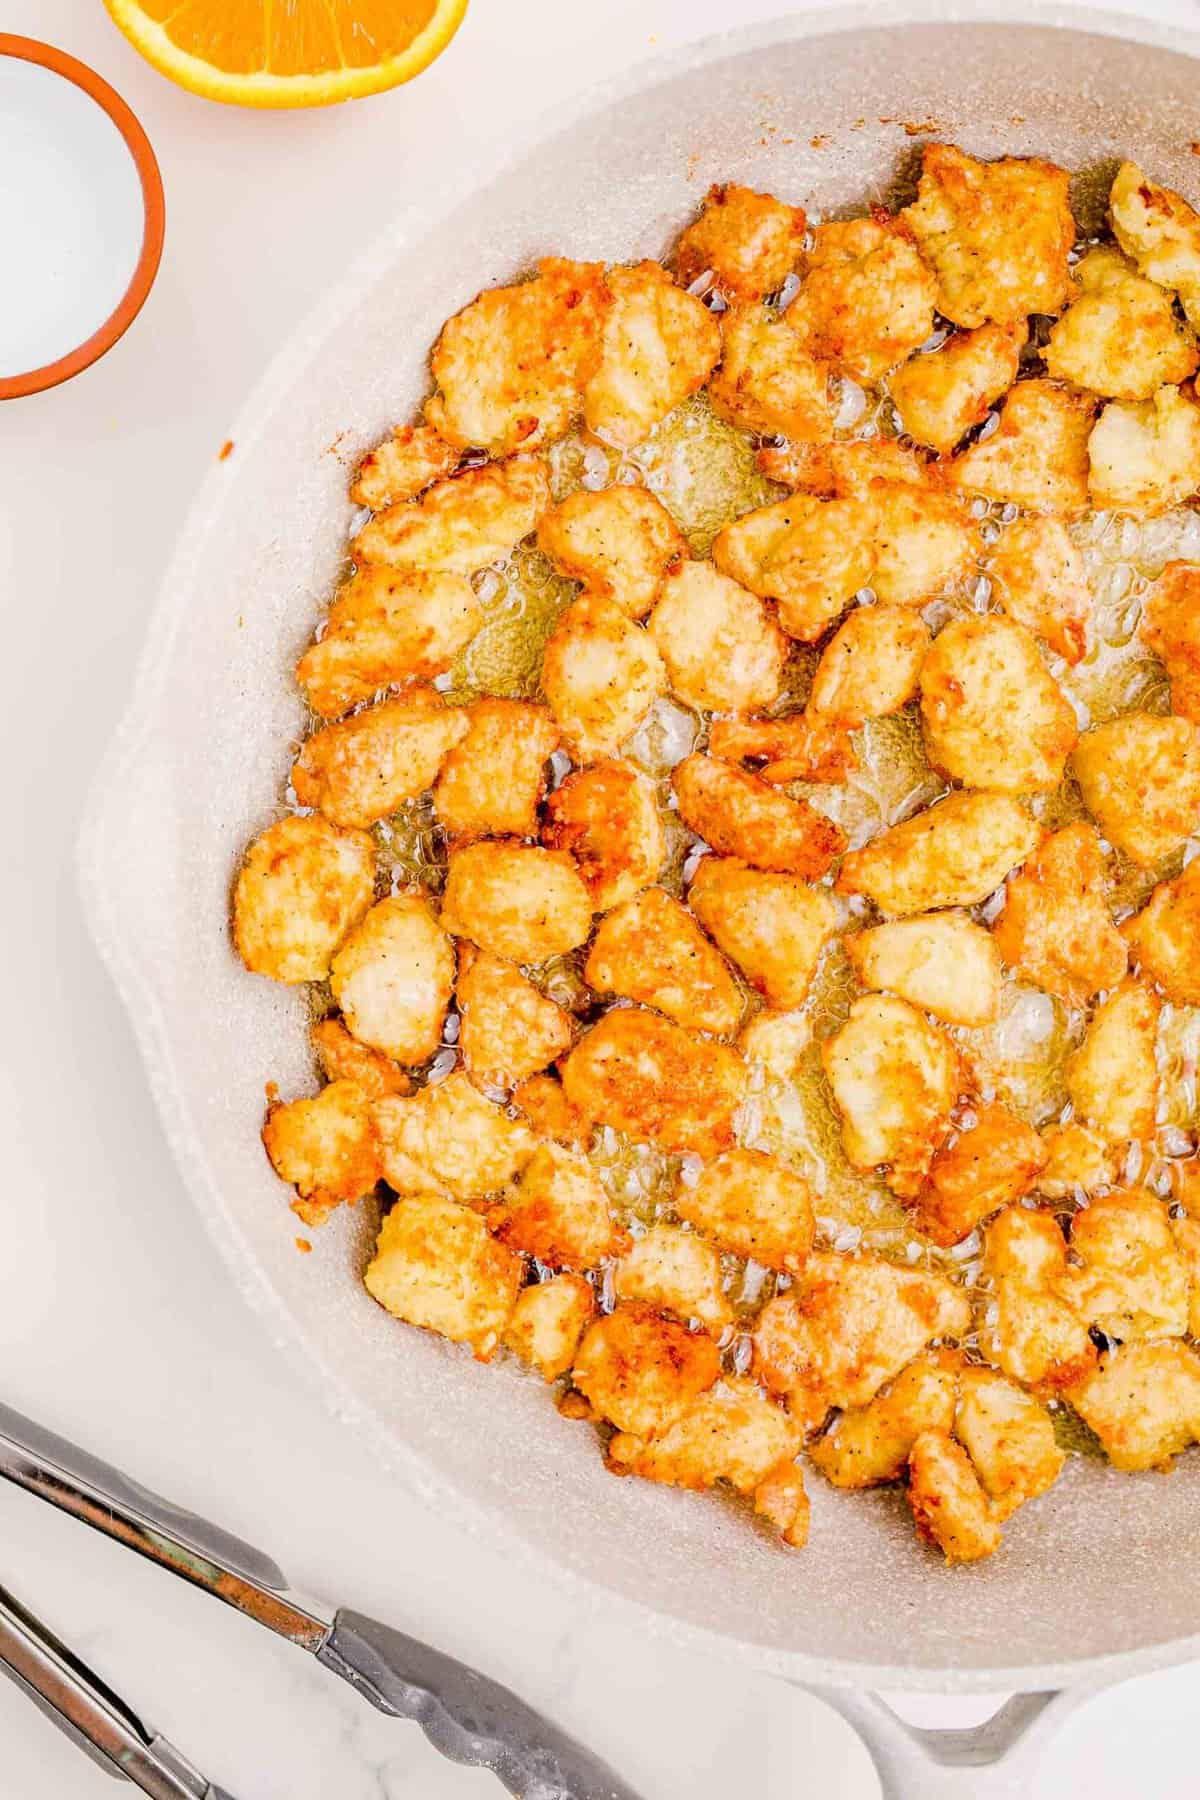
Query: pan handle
x: 992, y: 1761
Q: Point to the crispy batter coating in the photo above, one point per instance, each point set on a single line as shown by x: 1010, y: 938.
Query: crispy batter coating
x: 739, y: 815
x: 950, y: 1507
x: 945, y: 393
x: 751, y: 242
x: 870, y: 666
x: 1133, y: 1282
x: 1186, y: 1233
x: 998, y: 234
x: 557, y: 1211
x: 1077, y: 1162
x: 393, y: 978
x: 678, y: 1272
x: 777, y: 1041
x: 1171, y: 627
x: 772, y: 926
x: 847, y: 467
x: 810, y: 555
x: 1037, y: 457
x: 618, y: 541
x: 722, y: 649
x: 1143, y: 1403
x: 659, y: 345
x: 302, y: 886
x: 1056, y: 930
x: 991, y: 1160
x: 732, y: 1433
x: 942, y: 962
x: 895, y: 1078
x: 1038, y: 578
x: 847, y: 1325
x: 1145, y: 454
x: 1113, y: 1077
x: 781, y: 1500
x: 324, y: 1147
x: 436, y: 1265
x: 508, y: 1029
x: 1120, y: 338
x: 449, y: 1138
x: 461, y: 524
x: 402, y: 466
x: 867, y: 296
x: 364, y: 767
x: 548, y: 1110
x: 1030, y: 1329
x: 642, y: 1371
x: 650, y: 949
x: 493, y: 780
x: 800, y: 746
x: 1009, y: 1436
x: 512, y: 365
x: 519, y: 901
x: 754, y: 1205
x: 1140, y: 780
x: 387, y: 626
x: 770, y: 382
x: 923, y: 541
x: 343, y: 1058
x: 869, y: 1444
x: 953, y: 854
x: 1164, y: 938
x: 1161, y: 232
x: 607, y: 817
x: 601, y: 674
x: 548, y: 1321
x: 993, y: 715
x: 646, y: 1076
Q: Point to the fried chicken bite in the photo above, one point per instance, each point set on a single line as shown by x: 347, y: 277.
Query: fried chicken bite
x: 993, y: 715
x: 302, y: 886
x: 1113, y: 1076
x: 943, y: 963
x: 1038, y: 578
x: 754, y: 1205
x: 923, y: 541
x: 895, y: 1079
x: 946, y: 392
x: 772, y: 926
x: 647, y: 1077
x: 990, y: 1160
x: 508, y: 1030
x: 1143, y: 1403
x: 870, y: 666
x: 1145, y: 454
x: 393, y: 978
x: 955, y: 853
x: 677, y: 1272
x: 547, y: 1322
x: 998, y: 235
x: 557, y: 1211
x: 1009, y: 1436
x: 607, y: 817
x: 386, y: 627
x: 1171, y: 627
x: 770, y: 382
x: 1140, y: 780
x: 1055, y: 929
x: 1161, y: 232
x: 659, y: 345
x: 343, y: 1058
x: 750, y: 242
x: 1030, y: 1329
x: 1077, y: 1162
x: 542, y: 1101
x: 802, y: 746
x: 739, y: 815
x: 325, y: 1148
x: 364, y: 767
x: 402, y: 466
x: 620, y: 542
x: 949, y: 1503
x: 448, y: 1139
x: 650, y: 949
x: 511, y: 366
x: 642, y: 1371
x: 1164, y: 938
x: 867, y: 296
x: 519, y: 901
x: 1038, y: 455
x: 436, y: 1265
x: 866, y: 1445
x: 461, y: 524
x: 601, y: 674
x: 722, y: 650
x: 492, y: 782
x: 1130, y: 1278
x: 1120, y: 337
x: 810, y: 555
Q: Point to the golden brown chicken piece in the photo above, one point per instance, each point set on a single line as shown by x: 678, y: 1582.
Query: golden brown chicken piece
x: 301, y: 888
x: 650, y: 949
x: 949, y: 1503
x: 557, y: 1211
x: 1145, y: 454
x: 1120, y: 337
x: 942, y: 962
x: 739, y: 815
x: 402, y: 466
x: 325, y: 1148
x: 343, y: 1058
x: 1038, y: 579
x: 1143, y: 1403
x: 448, y: 1138
x: 870, y: 666
x: 659, y: 345
x: 1030, y: 1328
x: 1129, y: 1277
x: 519, y: 901
x: 1164, y: 938
x: 1077, y: 1162
x: 799, y: 746
x: 1113, y: 1076
x: 1161, y: 232
x: 895, y: 1079
x: 770, y: 381
x: 462, y: 524
x: 750, y: 242
x: 953, y: 854
x: 991, y: 1160
x: 945, y: 393
x: 437, y: 1266
x: 1009, y: 1436
x: 492, y: 782
x: 678, y: 1272
x: 923, y: 539
x: 772, y: 926
x: 1037, y: 457
x: 393, y: 978
x: 508, y: 1030
x: 810, y: 555
x: 364, y: 767
x: 869, y: 1444
x: 601, y: 674
x: 607, y: 817
x: 1140, y: 780
x: 754, y: 1205
x: 620, y: 542
x: 649, y: 1078
x: 1171, y: 627
x: 641, y: 1371
x: 1056, y: 930
x: 993, y: 715
x: 722, y: 649
x: 387, y: 626
x: 542, y: 1100
x: 548, y: 1321
x: 867, y: 297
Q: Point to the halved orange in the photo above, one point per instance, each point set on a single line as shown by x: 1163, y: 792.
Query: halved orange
x: 288, y: 52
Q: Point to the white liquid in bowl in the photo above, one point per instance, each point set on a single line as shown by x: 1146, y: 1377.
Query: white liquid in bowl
x: 71, y: 216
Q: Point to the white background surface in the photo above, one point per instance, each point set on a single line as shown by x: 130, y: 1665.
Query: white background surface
x: 118, y: 1324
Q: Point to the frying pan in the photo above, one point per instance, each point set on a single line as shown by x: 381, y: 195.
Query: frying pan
x: 1099, y: 1580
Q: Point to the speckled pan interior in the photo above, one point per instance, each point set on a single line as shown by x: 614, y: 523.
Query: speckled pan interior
x: 1104, y: 1575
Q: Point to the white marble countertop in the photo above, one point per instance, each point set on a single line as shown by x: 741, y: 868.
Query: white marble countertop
x: 118, y: 1324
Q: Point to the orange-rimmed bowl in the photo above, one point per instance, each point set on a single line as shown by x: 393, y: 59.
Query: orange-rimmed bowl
x: 131, y: 300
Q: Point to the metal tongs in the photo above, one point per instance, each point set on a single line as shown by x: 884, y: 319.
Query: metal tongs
x: 465, y: 1716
